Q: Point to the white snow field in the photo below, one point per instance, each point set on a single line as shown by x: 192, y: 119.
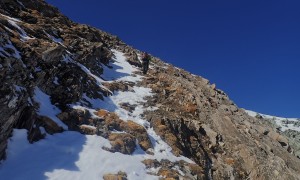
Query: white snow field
x: 73, y: 156
x: 284, y: 123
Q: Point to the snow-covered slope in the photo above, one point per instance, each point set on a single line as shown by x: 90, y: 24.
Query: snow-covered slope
x: 71, y: 155
x: 74, y: 104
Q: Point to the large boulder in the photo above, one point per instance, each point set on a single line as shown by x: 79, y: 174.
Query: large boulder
x: 122, y: 142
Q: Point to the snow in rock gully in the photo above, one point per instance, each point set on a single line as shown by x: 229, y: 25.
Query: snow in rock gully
x: 71, y: 155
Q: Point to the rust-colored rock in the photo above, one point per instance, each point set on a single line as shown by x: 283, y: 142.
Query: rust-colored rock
x: 199, y: 121
x: 85, y: 129
x: 50, y: 126
x: 168, y: 174
x: 139, y: 132
x: 113, y: 122
x: 119, y: 176
x: 102, y: 113
x: 195, y: 118
x: 122, y: 142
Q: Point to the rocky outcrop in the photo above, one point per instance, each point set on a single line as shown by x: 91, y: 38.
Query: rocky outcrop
x: 200, y: 122
x: 294, y: 141
x: 175, y: 170
x: 122, y: 142
x: 42, y: 49
x: 111, y: 122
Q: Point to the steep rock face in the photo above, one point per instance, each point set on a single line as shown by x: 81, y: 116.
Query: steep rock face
x: 200, y: 122
x: 42, y: 51
x: 288, y: 127
x: 294, y: 140
x: 42, y: 48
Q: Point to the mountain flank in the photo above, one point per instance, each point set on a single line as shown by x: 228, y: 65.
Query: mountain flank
x: 75, y: 103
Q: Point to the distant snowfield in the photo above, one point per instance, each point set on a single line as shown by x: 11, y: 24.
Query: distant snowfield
x: 73, y: 156
x: 284, y: 123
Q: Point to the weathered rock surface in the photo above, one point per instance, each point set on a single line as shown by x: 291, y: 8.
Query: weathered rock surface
x: 120, y: 176
x: 175, y: 170
x: 44, y: 49
x: 111, y: 122
x: 294, y: 141
x: 122, y: 142
x: 200, y: 122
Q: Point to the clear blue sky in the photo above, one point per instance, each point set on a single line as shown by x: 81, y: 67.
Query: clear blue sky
x: 249, y: 48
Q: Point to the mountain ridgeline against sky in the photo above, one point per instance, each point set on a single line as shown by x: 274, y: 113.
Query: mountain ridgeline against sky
x: 75, y: 104
x: 245, y: 47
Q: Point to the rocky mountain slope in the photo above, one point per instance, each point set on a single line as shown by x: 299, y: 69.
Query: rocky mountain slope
x: 75, y: 104
x: 290, y: 127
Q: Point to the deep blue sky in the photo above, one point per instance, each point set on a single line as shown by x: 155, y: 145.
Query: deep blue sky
x: 249, y: 48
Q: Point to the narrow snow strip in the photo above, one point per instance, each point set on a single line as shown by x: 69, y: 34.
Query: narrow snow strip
x: 121, y: 69
x: 86, y: 70
x: 55, y: 39
x: 10, y: 18
x: 47, y: 108
x: 21, y: 4
x: 13, y: 22
x: 23, y: 34
x: 9, y: 45
x: 3, y: 53
x: 16, y: 54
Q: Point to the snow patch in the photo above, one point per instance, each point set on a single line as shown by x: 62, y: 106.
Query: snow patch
x: 23, y: 34
x: 47, y: 108
x: 9, y: 45
x: 43, y: 130
x: 10, y: 18
x: 69, y: 155
x: 13, y: 102
x: 19, y: 88
x: 55, y: 39
x: 120, y: 69
x: 55, y: 81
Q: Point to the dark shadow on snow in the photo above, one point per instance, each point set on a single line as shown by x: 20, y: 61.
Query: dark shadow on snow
x: 111, y: 73
x: 58, y: 152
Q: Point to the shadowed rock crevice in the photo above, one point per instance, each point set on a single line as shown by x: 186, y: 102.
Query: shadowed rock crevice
x: 192, y: 145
